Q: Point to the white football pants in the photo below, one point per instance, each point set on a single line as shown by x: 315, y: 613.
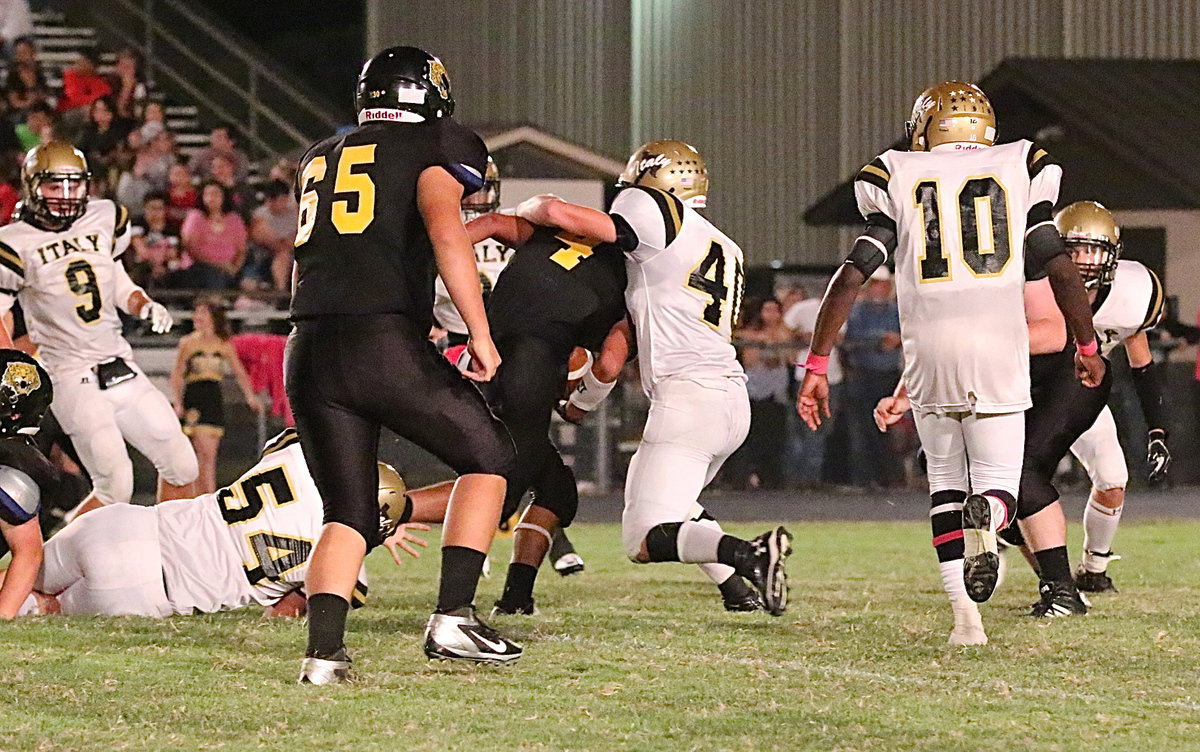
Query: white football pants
x: 973, y: 453
x: 1100, y: 451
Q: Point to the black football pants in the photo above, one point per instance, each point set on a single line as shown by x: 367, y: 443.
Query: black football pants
x: 349, y: 375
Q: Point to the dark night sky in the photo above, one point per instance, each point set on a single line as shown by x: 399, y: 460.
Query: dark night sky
x: 321, y: 41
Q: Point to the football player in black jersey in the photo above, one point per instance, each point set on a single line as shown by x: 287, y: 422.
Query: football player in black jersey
x: 379, y: 205
x: 25, y: 394
x: 579, y: 289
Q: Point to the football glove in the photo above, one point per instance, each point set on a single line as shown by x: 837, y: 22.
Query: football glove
x: 158, y: 316
x: 1158, y: 457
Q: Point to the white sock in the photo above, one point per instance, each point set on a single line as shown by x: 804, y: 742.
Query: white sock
x: 697, y: 541
x: 1099, y: 528
x: 952, y: 582
x: 718, y: 573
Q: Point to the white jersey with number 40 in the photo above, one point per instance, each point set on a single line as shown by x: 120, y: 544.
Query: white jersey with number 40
x: 961, y: 214
x: 685, y: 288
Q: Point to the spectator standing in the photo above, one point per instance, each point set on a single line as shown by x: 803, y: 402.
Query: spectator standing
x: 129, y: 84
x: 214, y: 239
x: 807, y: 449
x: 162, y: 147
x: 222, y: 143
x: 154, y: 119
x: 222, y: 171
x: 273, y: 228
x: 202, y: 361
x: 82, y: 85
x: 135, y: 185
x: 10, y: 187
x: 872, y: 357
x: 155, y: 244
x: 38, y: 127
x: 767, y: 351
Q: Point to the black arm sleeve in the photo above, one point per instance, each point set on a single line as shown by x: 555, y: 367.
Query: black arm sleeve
x: 627, y: 239
x: 464, y: 155
x: 1041, y: 245
x: 874, y: 246
x: 1147, y: 382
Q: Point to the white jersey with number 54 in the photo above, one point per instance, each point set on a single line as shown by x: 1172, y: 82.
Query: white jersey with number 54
x: 685, y: 287
x: 961, y: 214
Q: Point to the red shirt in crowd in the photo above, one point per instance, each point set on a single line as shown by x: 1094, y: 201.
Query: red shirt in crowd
x: 8, y: 202
x: 80, y: 90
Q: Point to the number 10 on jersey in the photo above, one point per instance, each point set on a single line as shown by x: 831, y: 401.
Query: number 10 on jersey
x: 725, y: 294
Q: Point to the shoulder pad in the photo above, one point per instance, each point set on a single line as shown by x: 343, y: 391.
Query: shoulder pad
x: 1037, y: 158
x: 19, y: 496
x: 876, y: 173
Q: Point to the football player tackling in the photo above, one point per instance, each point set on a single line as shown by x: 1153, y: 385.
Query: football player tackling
x: 685, y: 289
x: 966, y: 221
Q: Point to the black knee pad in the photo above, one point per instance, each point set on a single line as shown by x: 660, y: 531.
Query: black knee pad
x: 662, y: 542
x: 555, y: 491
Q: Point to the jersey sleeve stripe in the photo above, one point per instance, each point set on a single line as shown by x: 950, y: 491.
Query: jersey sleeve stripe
x: 1155, y: 311
x: 876, y: 174
x: 122, y: 221
x: 11, y: 259
x: 288, y: 437
x: 358, y: 598
x: 1038, y: 160
x: 671, y: 209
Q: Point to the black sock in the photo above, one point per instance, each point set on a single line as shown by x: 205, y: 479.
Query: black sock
x: 518, y: 587
x: 1053, y: 564
x: 945, y: 521
x: 326, y: 625
x: 735, y: 588
x: 736, y: 553
x: 461, y: 568
x: 560, y: 545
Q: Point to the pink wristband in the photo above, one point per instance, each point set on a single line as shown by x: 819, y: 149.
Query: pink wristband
x: 817, y: 363
x: 1089, y: 349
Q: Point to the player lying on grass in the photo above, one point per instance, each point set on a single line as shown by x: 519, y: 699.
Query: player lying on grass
x: 247, y: 543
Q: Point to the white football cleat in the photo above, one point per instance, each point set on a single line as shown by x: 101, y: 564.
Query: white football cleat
x: 325, y: 671
x: 461, y: 635
x: 968, y: 626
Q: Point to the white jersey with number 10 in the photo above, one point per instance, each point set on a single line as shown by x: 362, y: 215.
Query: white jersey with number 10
x: 961, y: 214
x: 685, y: 288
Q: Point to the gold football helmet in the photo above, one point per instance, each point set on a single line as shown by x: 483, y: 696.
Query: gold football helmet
x: 487, y: 198
x: 671, y: 166
x: 54, y: 184
x: 951, y: 112
x: 1093, y: 239
x: 392, y: 501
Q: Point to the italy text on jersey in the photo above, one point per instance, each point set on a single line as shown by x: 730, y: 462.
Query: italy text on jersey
x: 961, y: 218
x: 70, y: 285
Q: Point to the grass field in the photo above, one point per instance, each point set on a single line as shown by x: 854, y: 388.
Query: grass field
x: 643, y: 658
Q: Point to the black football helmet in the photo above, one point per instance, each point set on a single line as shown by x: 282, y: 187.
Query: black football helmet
x: 407, y: 79
x: 25, y: 392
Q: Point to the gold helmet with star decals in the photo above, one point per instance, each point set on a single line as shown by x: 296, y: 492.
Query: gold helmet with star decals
x: 54, y: 185
x: 1093, y: 238
x: 951, y: 112
x: 671, y: 166
x: 394, y: 506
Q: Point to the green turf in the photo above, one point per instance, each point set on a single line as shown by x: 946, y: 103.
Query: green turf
x: 643, y: 658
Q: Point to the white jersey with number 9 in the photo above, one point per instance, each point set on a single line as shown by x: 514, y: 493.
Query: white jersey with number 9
x: 685, y: 288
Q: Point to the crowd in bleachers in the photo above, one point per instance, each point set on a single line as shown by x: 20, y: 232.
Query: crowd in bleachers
x: 199, y: 223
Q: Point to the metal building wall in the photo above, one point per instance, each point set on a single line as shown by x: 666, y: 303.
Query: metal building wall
x: 784, y: 97
x: 562, y: 65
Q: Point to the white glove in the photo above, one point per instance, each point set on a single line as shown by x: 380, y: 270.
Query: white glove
x: 158, y: 316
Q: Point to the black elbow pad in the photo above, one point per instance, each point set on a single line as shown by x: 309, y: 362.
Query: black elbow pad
x: 875, y: 246
x: 1041, y: 244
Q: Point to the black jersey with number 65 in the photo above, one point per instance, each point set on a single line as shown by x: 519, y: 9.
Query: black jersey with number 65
x: 361, y: 244
x: 561, y: 288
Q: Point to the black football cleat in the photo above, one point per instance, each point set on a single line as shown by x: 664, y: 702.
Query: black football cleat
x: 981, y: 560
x: 461, y: 635
x: 1093, y: 582
x: 744, y: 603
x: 1059, y: 598
x: 764, y: 567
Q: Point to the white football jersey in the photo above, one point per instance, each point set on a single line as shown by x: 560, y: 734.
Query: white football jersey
x: 69, y: 285
x: 491, y: 257
x: 250, y: 541
x: 685, y: 288
x: 1132, y: 303
x: 961, y: 217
